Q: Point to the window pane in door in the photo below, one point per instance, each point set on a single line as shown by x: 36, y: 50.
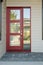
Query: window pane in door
x: 14, y: 14
x: 14, y: 27
x: 14, y: 40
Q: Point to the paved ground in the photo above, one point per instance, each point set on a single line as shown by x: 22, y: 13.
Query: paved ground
x: 22, y: 56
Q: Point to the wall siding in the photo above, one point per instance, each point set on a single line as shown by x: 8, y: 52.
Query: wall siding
x: 36, y: 21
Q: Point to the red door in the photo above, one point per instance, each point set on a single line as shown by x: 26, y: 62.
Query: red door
x: 18, y: 29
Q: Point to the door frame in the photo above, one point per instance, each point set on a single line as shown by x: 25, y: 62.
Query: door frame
x: 7, y: 29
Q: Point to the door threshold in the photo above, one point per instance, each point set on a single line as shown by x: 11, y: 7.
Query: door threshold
x: 18, y: 50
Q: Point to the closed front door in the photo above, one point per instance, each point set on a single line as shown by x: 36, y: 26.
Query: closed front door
x: 18, y: 37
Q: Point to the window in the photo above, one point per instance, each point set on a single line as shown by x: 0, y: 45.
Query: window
x: 0, y: 18
x: 15, y: 15
x: 26, y: 32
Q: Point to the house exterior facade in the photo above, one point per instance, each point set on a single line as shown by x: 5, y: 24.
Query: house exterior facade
x: 36, y: 23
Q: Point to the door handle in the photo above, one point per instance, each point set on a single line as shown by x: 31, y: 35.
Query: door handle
x: 21, y: 32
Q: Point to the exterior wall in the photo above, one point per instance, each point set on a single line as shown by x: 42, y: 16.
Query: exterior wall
x: 3, y: 42
x: 36, y: 21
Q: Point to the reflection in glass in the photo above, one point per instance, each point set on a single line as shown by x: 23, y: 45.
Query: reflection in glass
x: 14, y: 27
x: 26, y: 32
x: 15, y: 40
x: 26, y: 12
x: 14, y: 14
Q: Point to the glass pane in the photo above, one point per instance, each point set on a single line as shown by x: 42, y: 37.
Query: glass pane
x: 15, y: 40
x: 26, y: 12
x: 14, y: 14
x: 26, y: 32
x: 14, y: 27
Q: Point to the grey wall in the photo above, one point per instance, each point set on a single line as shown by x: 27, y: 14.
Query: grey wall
x: 42, y: 19
x: 0, y: 19
x: 2, y: 42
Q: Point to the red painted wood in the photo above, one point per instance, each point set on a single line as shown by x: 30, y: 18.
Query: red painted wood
x: 14, y: 33
x: 18, y: 50
x: 15, y: 48
x: 7, y: 29
x: 14, y: 21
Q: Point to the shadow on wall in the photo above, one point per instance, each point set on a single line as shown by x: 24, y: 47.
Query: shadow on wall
x: 0, y: 18
x: 42, y: 19
x: 1, y: 0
